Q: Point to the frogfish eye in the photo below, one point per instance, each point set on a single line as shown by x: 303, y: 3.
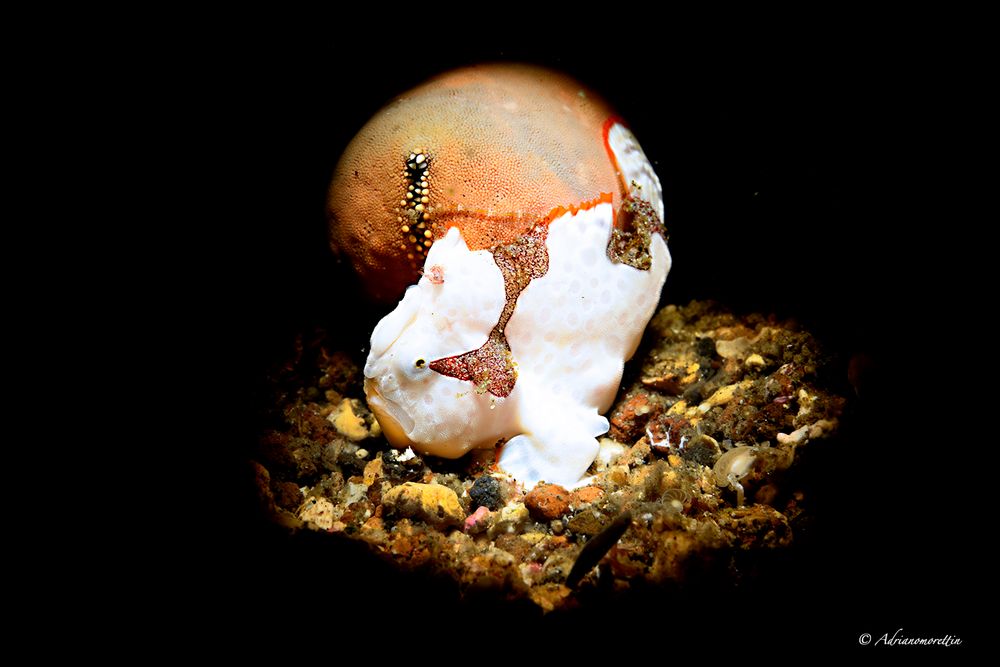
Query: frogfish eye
x: 420, y: 363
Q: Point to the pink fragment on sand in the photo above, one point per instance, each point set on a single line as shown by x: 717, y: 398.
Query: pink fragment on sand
x: 476, y: 517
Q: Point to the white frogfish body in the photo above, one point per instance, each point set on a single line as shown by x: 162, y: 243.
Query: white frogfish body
x: 524, y: 344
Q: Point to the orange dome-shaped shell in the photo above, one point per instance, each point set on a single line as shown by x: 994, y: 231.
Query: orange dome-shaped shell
x: 491, y: 149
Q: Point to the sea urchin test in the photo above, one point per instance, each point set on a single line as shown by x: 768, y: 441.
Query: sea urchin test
x: 524, y: 223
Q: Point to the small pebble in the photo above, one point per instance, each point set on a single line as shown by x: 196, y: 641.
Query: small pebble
x: 485, y: 492
x: 287, y: 495
x: 547, y: 502
x: 588, y: 522
x: 373, y: 471
x: 511, y: 520
x: 433, y: 503
x: 318, y: 511
x: 729, y: 349
x: 585, y: 495
x: 796, y: 437
x: 476, y: 522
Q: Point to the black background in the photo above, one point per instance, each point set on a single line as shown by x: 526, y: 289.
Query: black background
x: 783, y: 161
